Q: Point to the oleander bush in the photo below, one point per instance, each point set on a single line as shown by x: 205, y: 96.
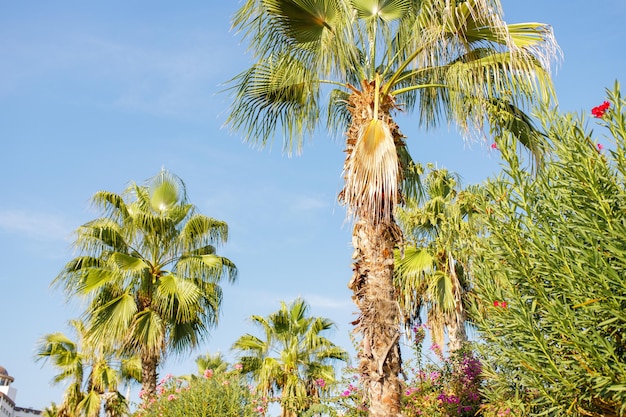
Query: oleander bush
x: 215, y: 393
x: 550, y: 279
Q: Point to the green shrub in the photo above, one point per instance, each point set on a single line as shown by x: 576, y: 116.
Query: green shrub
x: 215, y: 394
x: 550, y: 279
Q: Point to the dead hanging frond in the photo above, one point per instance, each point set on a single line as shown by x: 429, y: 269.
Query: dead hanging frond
x: 372, y: 172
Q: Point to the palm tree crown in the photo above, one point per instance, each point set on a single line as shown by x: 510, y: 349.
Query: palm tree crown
x: 451, y: 60
x: 150, y: 271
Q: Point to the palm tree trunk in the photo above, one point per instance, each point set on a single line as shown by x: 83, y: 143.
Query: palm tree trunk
x: 455, y: 320
x: 149, y: 364
x: 378, y: 323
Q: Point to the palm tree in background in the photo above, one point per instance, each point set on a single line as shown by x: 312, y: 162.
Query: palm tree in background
x: 215, y: 362
x: 51, y: 411
x: 93, y: 374
x: 355, y: 64
x: 431, y: 268
x: 149, y: 271
x: 294, y: 359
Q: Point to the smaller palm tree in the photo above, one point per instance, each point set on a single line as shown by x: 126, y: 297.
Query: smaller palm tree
x: 294, y: 359
x: 150, y: 272
x: 208, y: 365
x: 431, y: 267
x: 51, y: 411
x: 94, y: 374
x: 215, y: 363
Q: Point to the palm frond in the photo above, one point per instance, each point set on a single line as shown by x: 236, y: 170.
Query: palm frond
x: 147, y: 332
x: 276, y: 93
x: 386, y: 10
x: 338, y: 115
x: 177, y: 299
x: 200, y: 230
x: 185, y: 336
x: 112, y: 204
x: 111, y: 319
x: 90, y: 404
x: 101, y: 235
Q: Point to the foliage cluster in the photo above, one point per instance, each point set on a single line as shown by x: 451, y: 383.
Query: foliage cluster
x: 447, y: 386
x: 441, y: 386
x: 221, y: 393
x: 550, y: 278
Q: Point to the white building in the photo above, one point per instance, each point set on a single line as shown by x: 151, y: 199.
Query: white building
x: 7, y: 399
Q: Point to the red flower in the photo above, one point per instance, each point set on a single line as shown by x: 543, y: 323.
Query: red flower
x: 500, y: 304
x: 600, y: 146
x: 494, y: 146
x: 599, y: 111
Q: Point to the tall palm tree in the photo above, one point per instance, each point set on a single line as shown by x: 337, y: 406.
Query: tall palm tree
x: 150, y: 271
x: 293, y: 358
x: 93, y: 373
x: 431, y: 267
x: 452, y: 60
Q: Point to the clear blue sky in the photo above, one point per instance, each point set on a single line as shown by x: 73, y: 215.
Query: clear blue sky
x: 96, y: 94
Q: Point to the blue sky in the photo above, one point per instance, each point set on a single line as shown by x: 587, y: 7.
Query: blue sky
x: 94, y: 95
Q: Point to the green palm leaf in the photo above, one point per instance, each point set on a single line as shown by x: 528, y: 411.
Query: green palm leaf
x: 128, y: 263
x: 386, y: 10
x: 148, y: 331
x: 112, y: 319
x: 90, y: 404
x: 301, y: 20
x: 177, y: 298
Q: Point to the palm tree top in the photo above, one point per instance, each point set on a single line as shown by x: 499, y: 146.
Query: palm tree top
x: 432, y: 55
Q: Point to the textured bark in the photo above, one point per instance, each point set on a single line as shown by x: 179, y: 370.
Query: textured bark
x: 378, y: 324
x: 149, y: 364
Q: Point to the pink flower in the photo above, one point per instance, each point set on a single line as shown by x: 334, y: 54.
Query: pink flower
x: 208, y: 373
x: 238, y: 366
x: 600, y: 146
x: 599, y: 111
x: 171, y: 397
x: 494, y: 146
x: 346, y: 393
x: 437, y: 350
x: 320, y: 383
x: 259, y: 409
